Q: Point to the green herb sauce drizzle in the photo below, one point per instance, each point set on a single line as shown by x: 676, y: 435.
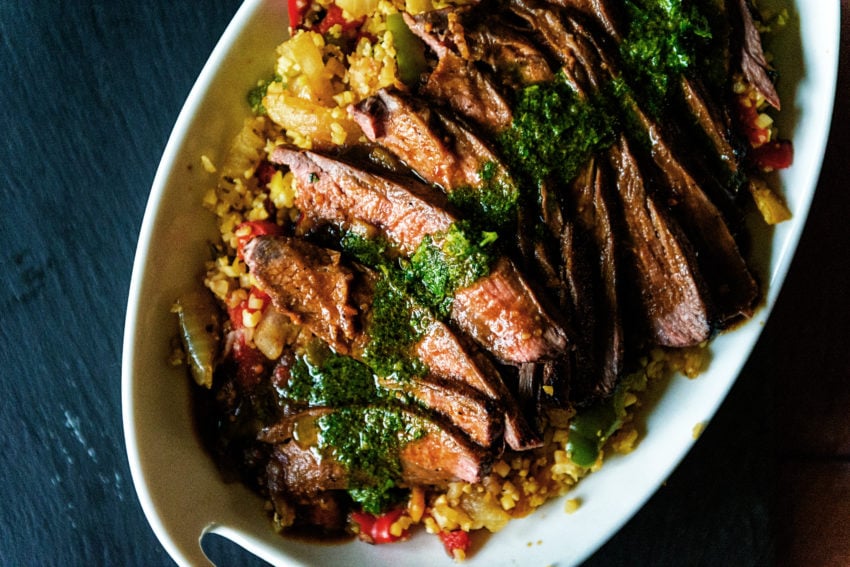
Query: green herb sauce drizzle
x: 493, y: 203
x: 396, y: 325
x: 554, y: 131
x: 446, y: 262
x: 372, y: 453
x: 365, y: 432
x: 662, y: 43
x: 322, y: 377
x: 411, y: 292
x: 396, y: 322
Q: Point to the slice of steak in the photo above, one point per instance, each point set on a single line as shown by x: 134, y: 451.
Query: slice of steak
x: 441, y: 454
x: 468, y: 92
x: 308, y: 284
x: 715, y: 161
x: 553, y: 29
x: 510, y: 56
x: 750, y: 52
x: 499, y: 311
x: 607, y: 14
x: 447, y: 357
x: 296, y: 275
x: 734, y: 290
x: 610, y: 333
x: 333, y: 190
x: 455, y: 80
x: 502, y: 314
x: 298, y: 469
x: 514, y: 59
x: 407, y: 128
x: 590, y: 251
x: 476, y: 414
x: 710, y: 120
x: 443, y: 28
x: 670, y: 285
x: 438, y: 148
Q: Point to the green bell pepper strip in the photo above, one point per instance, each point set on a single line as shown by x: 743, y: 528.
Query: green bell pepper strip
x: 410, y: 50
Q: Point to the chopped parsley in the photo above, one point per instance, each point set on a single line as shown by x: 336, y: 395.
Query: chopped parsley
x: 555, y: 131
x: 395, y: 326
x: 409, y: 292
x: 324, y: 378
x: 396, y: 321
x: 373, y: 252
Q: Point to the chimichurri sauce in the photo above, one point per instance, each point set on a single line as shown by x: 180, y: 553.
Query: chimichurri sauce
x: 394, y: 328
x: 396, y: 321
x: 368, y: 428
x: 368, y: 441
x: 493, y: 203
x: 324, y: 378
x: 663, y: 41
x: 446, y: 262
x: 410, y: 292
x: 554, y: 131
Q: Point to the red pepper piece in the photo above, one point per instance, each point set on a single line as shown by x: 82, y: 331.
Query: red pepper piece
x: 748, y: 119
x: 457, y: 540
x: 334, y: 16
x: 773, y: 155
x: 296, y: 9
x: 235, y: 312
x: 250, y: 363
x: 376, y: 529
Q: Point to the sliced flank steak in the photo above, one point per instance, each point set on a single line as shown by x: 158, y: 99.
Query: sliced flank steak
x: 499, y: 310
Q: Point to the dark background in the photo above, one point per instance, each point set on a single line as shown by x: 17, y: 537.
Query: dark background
x: 90, y: 92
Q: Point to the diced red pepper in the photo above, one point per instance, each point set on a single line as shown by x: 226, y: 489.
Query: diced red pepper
x: 376, y: 529
x: 773, y: 155
x: 748, y: 118
x: 334, y: 16
x: 246, y: 231
x: 249, y: 360
x: 296, y: 9
x: 456, y: 541
x: 235, y: 312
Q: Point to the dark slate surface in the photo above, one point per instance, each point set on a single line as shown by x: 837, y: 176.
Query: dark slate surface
x: 90, y: 91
